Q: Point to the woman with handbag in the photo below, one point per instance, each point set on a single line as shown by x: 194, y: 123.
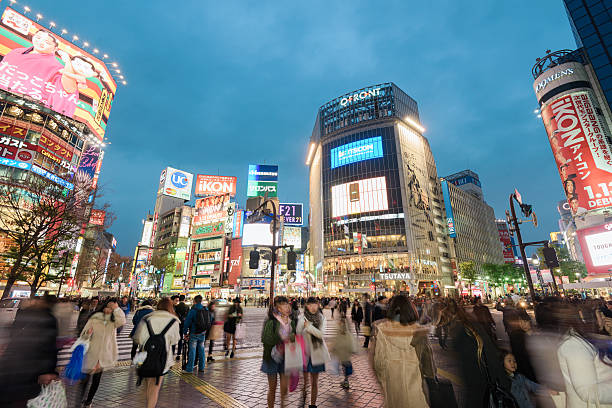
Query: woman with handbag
x: 214, y: 332
x: 278, y: 330
x: 311, y: 325
x: 234, y: 317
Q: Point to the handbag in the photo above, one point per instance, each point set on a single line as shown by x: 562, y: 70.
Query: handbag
x: 240, y: 331
x: 441, y: 394
x: 216, y: 331
x: 52, y: 395
x: 74, y: 370
x: 366, y: 331
x: 294, y: 360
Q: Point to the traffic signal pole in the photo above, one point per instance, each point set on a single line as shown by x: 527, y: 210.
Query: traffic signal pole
x: 521, y: 247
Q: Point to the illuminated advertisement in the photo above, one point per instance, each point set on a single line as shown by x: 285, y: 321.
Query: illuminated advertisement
x: 238, y: 224
x: 208, y: 230
x: 88, y: 163
x: 54, y: 72
x: 97, y: 217
x: 365, y: 149
x: 212, y: 256
x: 256, y: 234
x: 147, y: 230
x: 211, y: 209
x: 235, y: 265
x: 15, y: 149
x: 176, y: 183
x: 254, y: 283
x: 215, y: 185
x: 292, y: 213
x: 596, y: 244
x: 450, y: 218
x: 15, y: 163
x: 184, y: 227
x: 262, y: 180
x: 360, y: 196
x: 578, y: 141
x: 293, y: 236
x: 504, y: 237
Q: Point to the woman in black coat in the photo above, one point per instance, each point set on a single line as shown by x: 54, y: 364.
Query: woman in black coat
x: 357, y: 315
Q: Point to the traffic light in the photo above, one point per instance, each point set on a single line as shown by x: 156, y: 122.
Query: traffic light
x: 526, y: 209
x: 550, y: 257
x: 254, y: 259
x: 291, y: 260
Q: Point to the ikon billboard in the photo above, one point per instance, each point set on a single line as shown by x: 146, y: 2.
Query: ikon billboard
x: 583, y: 155
x: 596, y: 244
x: 43, y: 66
x: 176, y: 183
x: 360, y: 196
x: 215, y: 185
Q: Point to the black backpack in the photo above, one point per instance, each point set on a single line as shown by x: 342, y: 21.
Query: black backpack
x: 202, y: 321
x: 157, y: 355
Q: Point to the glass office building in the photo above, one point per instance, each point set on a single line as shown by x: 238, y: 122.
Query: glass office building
x: 376, y: 209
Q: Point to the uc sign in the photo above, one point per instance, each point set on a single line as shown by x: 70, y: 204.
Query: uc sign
x: 179, y: 179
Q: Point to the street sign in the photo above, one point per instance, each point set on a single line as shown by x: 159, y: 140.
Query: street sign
x: 518, y: 196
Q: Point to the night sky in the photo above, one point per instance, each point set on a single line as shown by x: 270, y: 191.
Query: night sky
x: 213, y: 87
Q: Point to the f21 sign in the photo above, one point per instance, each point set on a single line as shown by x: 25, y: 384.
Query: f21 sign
x: 292, y: 212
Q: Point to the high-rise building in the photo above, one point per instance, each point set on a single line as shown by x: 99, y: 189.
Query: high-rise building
x: 376, y: 209
x: 471, y: 220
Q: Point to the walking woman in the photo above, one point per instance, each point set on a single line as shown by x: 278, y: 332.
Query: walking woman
x: 357, y: 316
x: 212, y: 333
x: 278, y: 330
x: 101, y: 330
x: 163, y: 317
x: 234, y: 316
x: 312, y: 326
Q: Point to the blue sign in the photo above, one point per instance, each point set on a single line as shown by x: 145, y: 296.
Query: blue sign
x: 15, y: 163
x: 179, y: 179
x: 466, y: 180
x: 263, y: 172
x: 52, y: 177
x: 450, y: 218
x: 292, y: 213
x: 365, y: 149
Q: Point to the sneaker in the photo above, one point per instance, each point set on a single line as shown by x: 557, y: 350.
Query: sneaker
x: 345, y: 385
x: 232, y: 355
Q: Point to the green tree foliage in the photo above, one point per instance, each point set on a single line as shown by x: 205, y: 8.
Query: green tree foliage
x: 468, y: 273
x: 567, y: 266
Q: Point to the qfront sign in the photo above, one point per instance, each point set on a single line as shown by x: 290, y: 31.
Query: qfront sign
x: 359, y: 96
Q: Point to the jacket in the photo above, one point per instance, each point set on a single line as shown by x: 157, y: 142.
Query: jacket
x: 401, y: 358
x: 380, y: 311
x: 270, y: 336
x: 357, y: 314
x: 159, y: 319
x: 140, y: 313
x: 318, y: 355
x: 190, y: 322
x: 181, y: 311
x: 594, y: 383
x: 102, y: 351
x: 368, y: 312
x: 520, y: 388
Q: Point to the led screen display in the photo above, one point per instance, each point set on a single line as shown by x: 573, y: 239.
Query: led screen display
x: 596, y: 245
x: 365, y: 149
x: 360, y: 196
x: 262, y: 180
x: 256, y: 234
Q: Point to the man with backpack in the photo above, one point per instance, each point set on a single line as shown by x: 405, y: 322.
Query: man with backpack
x: 196, y: 325
x: 181, y: 310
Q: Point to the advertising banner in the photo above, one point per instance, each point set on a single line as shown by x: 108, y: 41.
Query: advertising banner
x: 292, y: 213
x: 215, y: 185
x: 361, y: 196
x: 256, y: 234
x: 88, y: 164
x: 504, y: 237
x: 97, y: 217
x: 596, y: 245
x: 203, y: 231
x: 365, y: 149
x: 176, y: 183
x: 235, y: 267
x: 262, y: 180
x: 209, y: 209
x: 582, y: 153
x: 254, y: 283
x: 450, y: 218
x: 54, y: 72
x: 237, y: 224
x: 293, y: 236
x: 147, y: 230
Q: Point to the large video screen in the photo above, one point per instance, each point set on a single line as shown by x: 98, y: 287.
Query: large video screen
x: 365, y: 149
x: 262, y: 180
x: 360, y: 196
x: 54, y: 72
x: 596, y: 245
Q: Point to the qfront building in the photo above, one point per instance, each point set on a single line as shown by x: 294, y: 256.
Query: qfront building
x: 376, y: 208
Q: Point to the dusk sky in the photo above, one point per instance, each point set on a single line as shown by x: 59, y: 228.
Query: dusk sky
x: 213, y: 87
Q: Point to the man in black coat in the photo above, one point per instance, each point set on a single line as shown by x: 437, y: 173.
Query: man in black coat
x: 30, y: 358
x: 368, y: 312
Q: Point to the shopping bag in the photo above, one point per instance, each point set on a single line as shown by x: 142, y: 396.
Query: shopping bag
x: 51, y: 396
x: 294, y: 380
x: 293, y: 357
x: 366, y: 331
x: 216, y: 331
x: 240, y: 331
x: 332, y: 367
x: 73, y: 371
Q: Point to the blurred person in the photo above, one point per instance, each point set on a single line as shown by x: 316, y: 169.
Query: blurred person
x: 164, y: 318
x: 30, y: 357
x: 142, y: 311
x: 518, y: 344
x: 102, y: 353
x: 63, y: 311
x: 357, y: 315
x: 343, y: 348
x: 212, y: 306
x: 521, y: 386
x: 278, y: 330
x: 368, y: 312
x: 125, y: 306
x: 483, y: 316
x: 380, y: 308
x: 181, y: 310
x: 311, y: 324
x: 510, y: 316
x: 196, y: 325
x: 234, y: 316
x: 87, y: 309
x: 402, y: 356
x: 332, y: 306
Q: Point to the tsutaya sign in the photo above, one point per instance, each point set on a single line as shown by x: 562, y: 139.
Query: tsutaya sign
x: 358, y: 96
x: 394, y: 276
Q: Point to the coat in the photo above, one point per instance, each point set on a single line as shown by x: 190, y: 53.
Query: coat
x: 318, y: 355
x: 159, y: 319
x: 400, y: 362
x: 102, y: 351
x: 357, y: 314
x: 270, y: 336
x: 594, y: 383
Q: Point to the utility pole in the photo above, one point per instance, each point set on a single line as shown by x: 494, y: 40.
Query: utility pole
x: 516, y: 228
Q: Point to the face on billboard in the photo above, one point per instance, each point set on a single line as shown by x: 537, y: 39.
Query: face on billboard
x: 359, y: 196
x: 365, y: 149
x: 582, y: 154
x: 292, y: 213
x: 215, y: 185
x: 177, y: 183
x: 214, y: 208
x: 52, y: 71
x: 596, y: 245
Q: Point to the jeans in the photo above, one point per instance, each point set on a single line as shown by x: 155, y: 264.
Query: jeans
x: 196, y: 340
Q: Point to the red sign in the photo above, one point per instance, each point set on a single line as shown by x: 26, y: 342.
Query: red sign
x: 97, y: 217
x: 14, y: 131
x: 215, y: 185
x: 596, y: 245
x: 504, y: 237
x: 235, y: 268
x: 15, y: 149
x: 54, y: 145
x: 581, y: 151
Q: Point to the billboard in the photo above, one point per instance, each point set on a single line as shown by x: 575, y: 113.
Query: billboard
x: 235, y: 265
x: 370, y: 148
x: 54, y: 72
x: 504, y: 237
x: 256, y: 234
x: 237, y: 224
x: 360, y: 196
x: 293, y: 236
x: 215, y: 185
x: 450, y: 217
x: 211, y: 209
x: 292, y: 213
x: 208, y: 230
x: 262, y: 180
x: 583, y: 155
x: 89, y: 163
x: 97, y: 217
x: 176, y: 183
x: 147, y: 231
x: 596, y: 245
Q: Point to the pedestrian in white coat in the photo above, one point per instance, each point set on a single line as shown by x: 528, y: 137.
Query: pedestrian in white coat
x: 312, y: 326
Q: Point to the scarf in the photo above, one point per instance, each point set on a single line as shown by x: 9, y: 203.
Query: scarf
x: 315, y: 319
